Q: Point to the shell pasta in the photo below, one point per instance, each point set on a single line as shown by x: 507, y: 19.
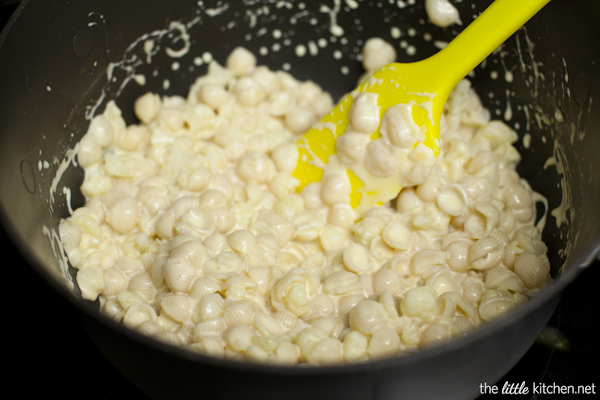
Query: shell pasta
x: 194, y: 233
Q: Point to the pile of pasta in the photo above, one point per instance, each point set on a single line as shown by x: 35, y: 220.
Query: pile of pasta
x: 193, y: 231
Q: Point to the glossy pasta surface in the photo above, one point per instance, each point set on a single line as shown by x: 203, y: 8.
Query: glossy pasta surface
x: 194, y: 233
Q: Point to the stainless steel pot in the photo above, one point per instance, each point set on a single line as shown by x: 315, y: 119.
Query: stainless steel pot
x: 61, y: 61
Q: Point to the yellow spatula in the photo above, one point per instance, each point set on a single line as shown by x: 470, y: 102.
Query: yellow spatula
x: 422, y: 88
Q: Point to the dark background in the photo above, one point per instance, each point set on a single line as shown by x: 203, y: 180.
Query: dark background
x: 49, y: 355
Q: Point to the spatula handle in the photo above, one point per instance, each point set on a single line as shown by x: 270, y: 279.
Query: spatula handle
x: 481, y: 37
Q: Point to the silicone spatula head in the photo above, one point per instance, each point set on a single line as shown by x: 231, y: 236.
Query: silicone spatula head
x: 384, y: 135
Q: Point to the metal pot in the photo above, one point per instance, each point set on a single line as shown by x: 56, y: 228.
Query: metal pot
x: 62, y: 62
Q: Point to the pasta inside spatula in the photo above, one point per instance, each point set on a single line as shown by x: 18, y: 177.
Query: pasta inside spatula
x: 384, y: 135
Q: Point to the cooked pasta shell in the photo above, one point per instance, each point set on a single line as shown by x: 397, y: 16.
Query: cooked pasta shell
x: 398, y: 126
x: 204, y: 285
x: 472, y: 288
x: 355, y: 346
x: 467, y: 308
x: 127, y: 298
x: 165, y: 224
x: 239, y: 312
x: 90, y: 281
x: 447, y: 305
x: 389, y: 304
x: 179, y: 274
x: 238, y: 337
x: 443, y: 281
x: 154, y: 197
x: 420, y: 302
x: 334, y: 237
x: 387, y: 280
x: 196, y: 180
x: 238, y: 286
x: 327, y: 351
x: 367, y: 316
x: 358, y: 259
x: 129, y: 266
x: 426, y: 262
x: 411, y: 332
x: 485, y: 254
x: 210, y: 306
x: 332, y: 326
x: 262, y: 276
x: 185, y: 332
x: 243, y: 241
x: 257, y: 354
x: 430, y: 188
x: 501, y: 277
x: 347, y: 302
x: 364, y: 113
x: 511, y: 251
x: 287, y: 260
x: 177, y: 306
x: 452, y: 199
x: 341, y: 282
x: 197, y: 220
x: 286, y: 319
x: 530, y: 243
x: 142, y: 284
x: 384, y: 342
x: 113, y: 309
x: 517, y: 197
x: 366, y: 281
x: 381, y: 251
x: 287, y: 353
x: 309, y: 224
x: 216, y: 243
x: 208, y: 328
x: 307, y: 338
x: 208, y: 345
x: 281, y: 226
x: 400, y: 264
x: 408, y: 201
x: 533, y: 269
x: 70, y: 234
x: 123, y: 214
x: 500, y: 236
x: 438, y: 333
x: 148, y: 328
x: 290, y: 292
x: 424, y: 160
x: 193, y: 252
x: 457, y: 256
x: 267, y: 326
x: 179, y: 240
x: 527, y: 230
x: 183, y: 204
x: 320, y: 305
x: 138, y: 313
x: 496, y: 302
x: 475, y: 188
x: 367, y: 229
x: 114, y: 282
x: 481, y: 159
x: 224, y: 265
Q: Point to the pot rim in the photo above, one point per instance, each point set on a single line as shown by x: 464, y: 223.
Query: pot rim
x: 553, y: 290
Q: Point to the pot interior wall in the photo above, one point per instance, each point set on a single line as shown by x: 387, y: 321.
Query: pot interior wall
x: 99, y: 50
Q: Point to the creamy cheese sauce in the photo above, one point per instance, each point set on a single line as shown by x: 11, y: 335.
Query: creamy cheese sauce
x: 193, y: 232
